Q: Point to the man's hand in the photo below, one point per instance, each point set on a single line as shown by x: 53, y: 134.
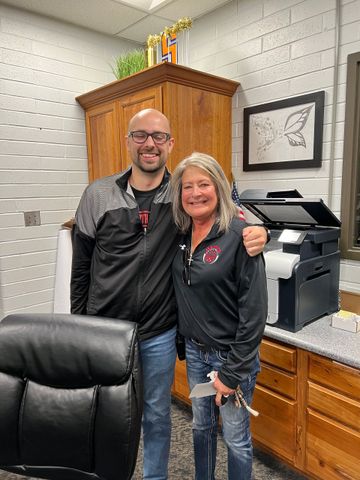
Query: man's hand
x: 255, y: 238
x: 221, y: 390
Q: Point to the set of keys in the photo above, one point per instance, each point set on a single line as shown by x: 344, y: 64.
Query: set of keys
x: 240, y: 401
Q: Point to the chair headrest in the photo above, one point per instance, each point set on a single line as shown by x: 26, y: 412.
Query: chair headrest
x: 53, y: 348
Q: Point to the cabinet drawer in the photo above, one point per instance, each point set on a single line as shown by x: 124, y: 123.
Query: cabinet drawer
x: 336, y: 376
x: 334, y: 405
x: 275, y: 427
x: 278, y: 355
x: 332, y: 450
x: 278, y: 381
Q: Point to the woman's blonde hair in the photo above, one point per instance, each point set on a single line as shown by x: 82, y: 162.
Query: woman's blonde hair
x: 226, y: 209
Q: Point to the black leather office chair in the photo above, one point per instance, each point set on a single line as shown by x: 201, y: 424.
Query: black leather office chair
x: 70, y: 397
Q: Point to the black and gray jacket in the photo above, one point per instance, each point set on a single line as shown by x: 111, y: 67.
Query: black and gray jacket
x: 225, y: 305
x: 119, y: 270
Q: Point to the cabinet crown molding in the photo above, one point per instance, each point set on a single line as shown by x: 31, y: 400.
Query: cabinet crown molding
x: 160, y: 73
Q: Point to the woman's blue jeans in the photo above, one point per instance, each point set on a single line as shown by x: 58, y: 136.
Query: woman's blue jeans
x: 158, y: 355
x: 235, y: 421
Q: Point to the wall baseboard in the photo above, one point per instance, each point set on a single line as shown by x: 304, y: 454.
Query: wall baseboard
x: 350, y: 301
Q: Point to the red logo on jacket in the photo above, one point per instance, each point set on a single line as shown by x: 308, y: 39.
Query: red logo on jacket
x: 211, y: 254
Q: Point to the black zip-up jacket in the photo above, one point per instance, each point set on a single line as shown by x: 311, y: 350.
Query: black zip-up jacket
x: 225, y: 305
x: 118, y: 269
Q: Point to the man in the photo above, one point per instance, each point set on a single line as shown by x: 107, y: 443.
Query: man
x: 123, y: 245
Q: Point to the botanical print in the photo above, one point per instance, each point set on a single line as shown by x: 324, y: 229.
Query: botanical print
x: 282, y: 135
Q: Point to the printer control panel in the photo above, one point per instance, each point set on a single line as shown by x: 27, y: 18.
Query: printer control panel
x: 292, y: 236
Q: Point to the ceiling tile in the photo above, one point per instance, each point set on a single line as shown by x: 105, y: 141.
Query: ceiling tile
x: 147, y: 5
x: 148, y: 25
x: 189, y: 8
x: 101, y: 15
x: 128, y: 19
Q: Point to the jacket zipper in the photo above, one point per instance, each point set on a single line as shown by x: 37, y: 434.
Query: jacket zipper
x: 143, y: 263
x: 141, y: 277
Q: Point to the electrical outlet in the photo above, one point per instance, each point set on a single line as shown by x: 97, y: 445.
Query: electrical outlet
x: 32, y: 219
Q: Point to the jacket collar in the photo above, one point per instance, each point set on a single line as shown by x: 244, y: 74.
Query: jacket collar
x: 124, y: 176
x: 214, y: 233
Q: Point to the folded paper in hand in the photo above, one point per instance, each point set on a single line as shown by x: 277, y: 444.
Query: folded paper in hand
x: 203, y: 390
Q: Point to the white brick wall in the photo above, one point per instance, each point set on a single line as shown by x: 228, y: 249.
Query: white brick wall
x: 274, y: 48
x: 44, y: 65
x: 278, y: 49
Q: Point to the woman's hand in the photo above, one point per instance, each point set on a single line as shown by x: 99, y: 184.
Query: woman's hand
x: 255, y: 238
x: 221, y: 390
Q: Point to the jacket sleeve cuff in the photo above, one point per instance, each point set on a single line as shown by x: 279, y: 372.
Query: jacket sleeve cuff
x: 229, y: 380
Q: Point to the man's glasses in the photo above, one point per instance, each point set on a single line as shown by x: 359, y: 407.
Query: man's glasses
x: 187, y: 260
x: 140, y: 137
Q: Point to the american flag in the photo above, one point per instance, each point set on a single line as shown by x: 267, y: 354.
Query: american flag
x: 236, y: 199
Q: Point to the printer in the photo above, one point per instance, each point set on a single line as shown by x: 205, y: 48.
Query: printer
x: 302, y: 258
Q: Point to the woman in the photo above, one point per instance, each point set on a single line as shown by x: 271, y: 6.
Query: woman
x: 222, y: 307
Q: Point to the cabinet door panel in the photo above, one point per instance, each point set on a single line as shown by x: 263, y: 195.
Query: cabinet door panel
x: 332, y: 450
x: 275, y: 427
x: 207, y: 127
x: 128, y: 106
x: 103, y: 141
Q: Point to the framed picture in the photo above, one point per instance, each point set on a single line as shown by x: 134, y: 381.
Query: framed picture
x: 284, y: 134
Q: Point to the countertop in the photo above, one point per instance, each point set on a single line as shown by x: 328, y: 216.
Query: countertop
x: 319, y: 337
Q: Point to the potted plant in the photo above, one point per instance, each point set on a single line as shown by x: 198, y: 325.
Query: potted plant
x: 128, y: 63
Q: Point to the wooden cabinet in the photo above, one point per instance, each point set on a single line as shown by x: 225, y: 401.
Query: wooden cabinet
x: 197, y: 104
x: 333, y: 420
x: 276, y: 399
x: 309, y: 411
x: 181, y: 388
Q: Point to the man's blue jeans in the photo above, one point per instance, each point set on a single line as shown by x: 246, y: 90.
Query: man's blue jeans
x: 235, y: 421
x: 158, y: 355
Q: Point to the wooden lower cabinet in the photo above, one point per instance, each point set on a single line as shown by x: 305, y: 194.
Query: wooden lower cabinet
x: 309, y: 410
x: 332, y: 450
x: 276, y: 425
x: 333, y: 420
x: 275, y: 398
x: 180, y: 387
